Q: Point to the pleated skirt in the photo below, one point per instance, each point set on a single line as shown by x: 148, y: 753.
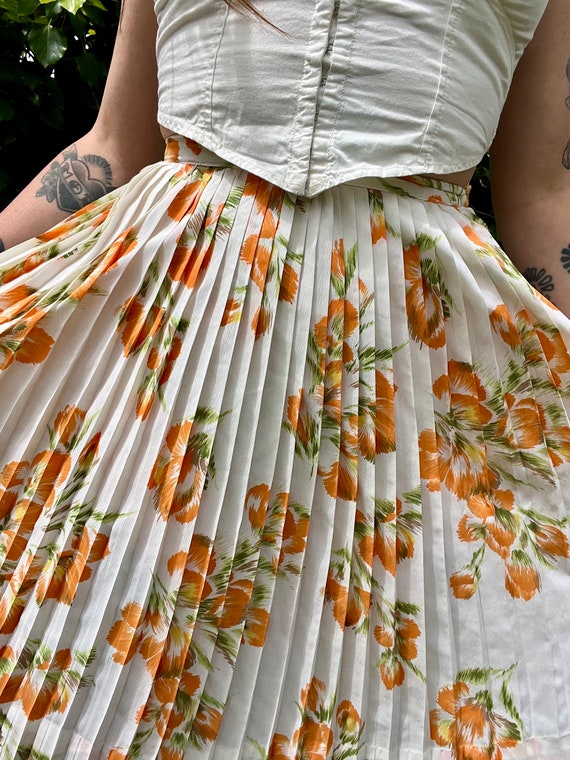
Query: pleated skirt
x: 280, y: 479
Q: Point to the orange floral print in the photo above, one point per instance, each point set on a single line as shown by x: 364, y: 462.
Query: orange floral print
x: 28, y: 343
x: 469, y: 724
x: 108, y: 260
x: 427, y: 302
x: 179, y: 473
x: 397, y: 637
x: 187, y: 198
x: 124, y: 634
x: 137, y: 325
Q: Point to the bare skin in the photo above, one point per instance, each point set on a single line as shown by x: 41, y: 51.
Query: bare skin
x: 529, y: 160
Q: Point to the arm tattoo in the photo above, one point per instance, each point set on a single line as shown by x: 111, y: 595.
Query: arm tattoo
x: 76, y: 181
x: 566, y: 154
x: 2, y: 246
x: 540, y: 280
x: 565, y: 258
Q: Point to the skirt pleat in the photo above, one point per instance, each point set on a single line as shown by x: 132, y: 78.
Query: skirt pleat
x: 280, y: 479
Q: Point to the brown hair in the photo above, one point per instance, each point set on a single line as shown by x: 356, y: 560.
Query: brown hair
x: 246, y: 6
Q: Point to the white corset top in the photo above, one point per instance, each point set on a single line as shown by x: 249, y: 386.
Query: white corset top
x: 345, y: 88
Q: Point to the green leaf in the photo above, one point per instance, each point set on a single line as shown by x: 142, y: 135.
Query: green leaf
x: 47, y: 44
x: 18, y: 8
x: 72, y: 5
x: 90, y: 68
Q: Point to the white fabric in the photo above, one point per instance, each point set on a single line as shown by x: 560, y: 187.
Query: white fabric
x: 408, y: 86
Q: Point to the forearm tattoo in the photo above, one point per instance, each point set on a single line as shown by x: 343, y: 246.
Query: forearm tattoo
x: 540, y: 280
x: 76, y: 181
x: 2, y: 246
x: 566, y: 154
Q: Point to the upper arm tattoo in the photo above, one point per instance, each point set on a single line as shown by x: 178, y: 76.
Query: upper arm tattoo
x: 566, y: 154
x: 540, y: 280
x: 76, y: 181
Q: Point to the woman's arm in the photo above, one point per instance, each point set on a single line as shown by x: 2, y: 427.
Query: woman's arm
x: 124, y: 138
x: 530, y: 160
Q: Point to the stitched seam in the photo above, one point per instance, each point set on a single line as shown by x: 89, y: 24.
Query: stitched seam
x: 444, y: 52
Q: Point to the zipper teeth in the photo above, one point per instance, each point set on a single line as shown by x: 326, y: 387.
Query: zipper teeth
x: 326, y: 65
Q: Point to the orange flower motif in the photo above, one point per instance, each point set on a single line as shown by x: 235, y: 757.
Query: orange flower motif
x: 461, y: 467
x: 178, y: 475
x: 503, y: 323
x: 522, y: 581
x: 384, y: 637
x: 392, y: 673
x: 68, y: 423
x: 557, y: 354
x: 261, y: 321
x: 137, y: 325
x: 42, y: 689
x: 313, y: 694
x: 489, y: 507
x: 257, y: 253
x: 186, y: 199
x: 47, y: 471
x: 232, y: 312
x: 463, y: 584
x: 124, y: 636
x: 315, y: 740
x: 358, y: 605
x: 206, y: 723
x: 89, y: 452
x: 469, y: 727
x: 256, y: 502
x: 424, y: 305
x: 289, y: 284
x: 34, y: 346
x: 15, y: 302
x: 338, y: 594
x: 295, y: 531
x: 340, y: 479
x: 384, y: 418
x: 347, y: 717
x: 553, y: 542
x: 108, y: 260
x: 236, y: 603
x: 281, y: 748
x: 474, y: 237
x: 378, y: 226
x: 466, y: 394
x: 256, y: 625
x: 147, y: 393
x: 189, y: 262
x: 72, y: 568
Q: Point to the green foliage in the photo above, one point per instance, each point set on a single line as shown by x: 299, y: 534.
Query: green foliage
x: 55, y: 57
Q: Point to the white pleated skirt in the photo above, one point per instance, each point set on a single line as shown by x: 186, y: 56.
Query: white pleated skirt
x: 280, y: 479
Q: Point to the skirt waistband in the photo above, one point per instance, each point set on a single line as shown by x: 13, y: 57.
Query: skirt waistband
x: 423, y: 188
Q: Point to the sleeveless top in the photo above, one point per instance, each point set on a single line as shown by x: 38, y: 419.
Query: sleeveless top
x: 341, y: 89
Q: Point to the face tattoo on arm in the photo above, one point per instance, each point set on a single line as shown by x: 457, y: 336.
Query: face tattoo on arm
x: 76, y: 181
